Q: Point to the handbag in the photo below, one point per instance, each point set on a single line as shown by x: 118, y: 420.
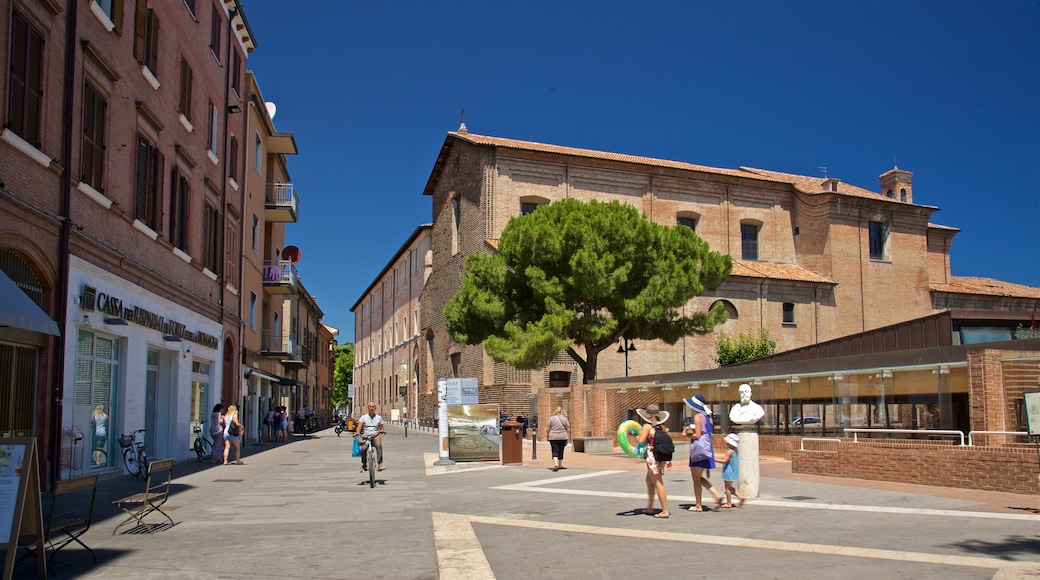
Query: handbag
x: 234, y: 430
x: 700, y: 449
x: 356, y: 450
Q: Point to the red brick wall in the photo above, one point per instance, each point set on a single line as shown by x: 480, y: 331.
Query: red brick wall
x: 1011, y: 468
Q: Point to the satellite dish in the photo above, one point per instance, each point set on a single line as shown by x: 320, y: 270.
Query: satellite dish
x: 291, y: 253
x: 271, y: 109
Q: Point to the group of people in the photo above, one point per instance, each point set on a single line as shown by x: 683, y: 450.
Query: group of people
x: 226, y: 428
x: 699, y: 430
x: 277, y: 422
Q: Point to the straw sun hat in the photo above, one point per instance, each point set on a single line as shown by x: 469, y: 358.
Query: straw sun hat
x: 653, y: 414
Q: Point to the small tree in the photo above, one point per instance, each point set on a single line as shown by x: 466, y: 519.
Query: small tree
x: 577, y: 276
x: 744, y: 348
x: 343, y: 374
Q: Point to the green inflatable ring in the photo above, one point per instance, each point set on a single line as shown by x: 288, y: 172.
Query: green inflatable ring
x: 625, y: 429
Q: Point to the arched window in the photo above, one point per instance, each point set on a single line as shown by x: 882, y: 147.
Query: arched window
x: 456, y: 222
x: 688, y: 219
x: 530, y: 203
x: 730, y: 308
x: 902, y: 195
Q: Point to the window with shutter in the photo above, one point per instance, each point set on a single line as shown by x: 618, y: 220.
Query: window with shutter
x: 231, y: 241
x: 214, y: 34
x: 212, y: 259
x: 148, y: 184
x: 180, y: 193
x: 25, y: 86
x: 184, y: 102
x: 233, y: 159
x: 236, y: 72
x: 146, y: 36
x: 92, y: 151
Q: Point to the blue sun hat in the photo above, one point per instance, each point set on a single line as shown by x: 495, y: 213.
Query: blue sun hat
x: 698, y: 403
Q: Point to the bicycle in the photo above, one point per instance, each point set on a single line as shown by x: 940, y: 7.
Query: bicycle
x: 371, y: 458
x: 201, y: 445
x: 134, y: 455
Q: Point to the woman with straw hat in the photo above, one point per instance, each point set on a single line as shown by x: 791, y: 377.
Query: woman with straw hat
x: 700, y: 439
x: 653, y: 417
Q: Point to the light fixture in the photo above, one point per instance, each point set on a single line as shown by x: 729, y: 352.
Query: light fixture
x: 942, y: 370
x: 794, y: 380
x: 171, y: 338
x: 234, y: 109
x: 115, y: 321
x: 724, y: 385
x: 756, y: 382
x: 86, y: 319
x: 695, y: 385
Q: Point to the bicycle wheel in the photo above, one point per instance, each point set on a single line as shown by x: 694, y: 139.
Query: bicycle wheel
x: 200, y: 448
x: 372, y: 464
x: 143, y: 460
x: 130, y: 459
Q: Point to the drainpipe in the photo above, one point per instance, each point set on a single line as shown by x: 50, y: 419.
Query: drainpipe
x: 862, y: 290
x: 66, y: 233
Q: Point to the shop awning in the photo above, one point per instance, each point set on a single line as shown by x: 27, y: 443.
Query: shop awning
x: 17, y: 310
x: 263, y: 375
x: 289, y: 382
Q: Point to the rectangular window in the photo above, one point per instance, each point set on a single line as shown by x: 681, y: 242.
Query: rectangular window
x: 258, y: 149
x: 212, y: 259
x: 146, y: 36
x: 236, y: 72
x: 788, y: 313
x: 191, y: 6
x: 214, y: 118
x: 688, y: 222
x: 233, y: 159
x: 148, y: 184
x: 252, y: 311
x: 527, y: 207
x: 92, y: 149
x: 25, y: 86
x: 256, y: 235
x: 214, y: 33
x: 231, y: 255
x: 184, y: 100
x: 878, y: 240
x: 748, y: 242
x: 113, y: 9
x: 180, y: 193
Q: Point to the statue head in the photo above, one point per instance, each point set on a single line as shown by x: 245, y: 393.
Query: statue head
x: 745, y: 393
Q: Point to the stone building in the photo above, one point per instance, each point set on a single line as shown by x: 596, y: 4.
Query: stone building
x: 815, y: 259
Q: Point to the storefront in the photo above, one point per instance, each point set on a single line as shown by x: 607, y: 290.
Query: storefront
x: 134, y: 361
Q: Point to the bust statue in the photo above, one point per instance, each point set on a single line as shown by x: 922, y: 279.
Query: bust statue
x: 747, y: 411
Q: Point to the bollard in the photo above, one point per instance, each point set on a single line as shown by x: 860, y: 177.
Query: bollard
x: 406, y: 428
x: 534, y: 444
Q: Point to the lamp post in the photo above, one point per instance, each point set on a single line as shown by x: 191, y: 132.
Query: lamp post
x: 626, y: 346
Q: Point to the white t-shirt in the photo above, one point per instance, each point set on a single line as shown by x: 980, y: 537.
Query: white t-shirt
x: 370, y: 425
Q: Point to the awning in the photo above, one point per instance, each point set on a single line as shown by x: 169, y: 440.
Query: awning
x: 17, y: 310
x: 262, y: 374
x: 289, y: 382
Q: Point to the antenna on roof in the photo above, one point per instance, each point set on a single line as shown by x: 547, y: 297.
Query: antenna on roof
x: 462, y: 126
x: 823, y: 169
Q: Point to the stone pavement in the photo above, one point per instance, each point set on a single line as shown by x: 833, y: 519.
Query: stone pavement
x: 302, y: 509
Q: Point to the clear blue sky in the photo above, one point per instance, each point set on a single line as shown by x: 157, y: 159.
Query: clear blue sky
x: 950, y: 91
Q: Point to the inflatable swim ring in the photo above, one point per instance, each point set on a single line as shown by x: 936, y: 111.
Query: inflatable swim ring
x: 627, y: 431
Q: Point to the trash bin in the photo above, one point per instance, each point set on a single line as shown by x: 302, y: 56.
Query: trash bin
x: 512, y: 443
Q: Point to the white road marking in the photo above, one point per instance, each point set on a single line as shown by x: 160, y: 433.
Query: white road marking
x: 1006, y: 569
x: 459, y: 554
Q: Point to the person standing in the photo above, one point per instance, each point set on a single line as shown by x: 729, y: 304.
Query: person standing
x: 559, y: 433
x: 233, y: 431
x: 731, y: 471
x: 216, y: 432
x: 99, y: 437
x: 700, y: 438
x: 653, y: 418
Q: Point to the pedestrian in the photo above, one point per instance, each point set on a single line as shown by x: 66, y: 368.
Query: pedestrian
x: 281, y: 418
x: 233, y: 431
x: 559, y: 433
x: 99, y: 436
x: 653, y: 418
x: 702, y: 454
x: 269, y: 422
x: 731, y: 471
x: 216, y: 432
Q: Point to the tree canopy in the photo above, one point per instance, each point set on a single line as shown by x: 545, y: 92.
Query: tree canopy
x: 343, y: 374
x: 578, y: 276
x: 744, y: 348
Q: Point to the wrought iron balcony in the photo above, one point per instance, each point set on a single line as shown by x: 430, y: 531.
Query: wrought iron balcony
x: 281, y: 203
x: 279, y: 345
x: 280, y: 277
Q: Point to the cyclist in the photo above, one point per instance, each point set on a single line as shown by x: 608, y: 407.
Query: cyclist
x: 371, y: 425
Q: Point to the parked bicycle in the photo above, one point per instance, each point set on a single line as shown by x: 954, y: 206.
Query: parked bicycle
x: 134, y: 455
x: 202, y: 446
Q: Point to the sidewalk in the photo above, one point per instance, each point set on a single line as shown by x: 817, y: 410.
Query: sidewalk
x: 303, y: 509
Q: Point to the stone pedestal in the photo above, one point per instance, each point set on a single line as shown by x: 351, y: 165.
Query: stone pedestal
x: 747, y: 485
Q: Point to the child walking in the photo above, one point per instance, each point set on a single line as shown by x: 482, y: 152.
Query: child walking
x: 731, y: 471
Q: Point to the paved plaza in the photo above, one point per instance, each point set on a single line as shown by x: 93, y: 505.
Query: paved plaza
x: 303, y: 510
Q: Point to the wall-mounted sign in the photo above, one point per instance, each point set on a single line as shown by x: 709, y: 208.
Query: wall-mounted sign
x: 1033, y: 411
x: 91, y: 300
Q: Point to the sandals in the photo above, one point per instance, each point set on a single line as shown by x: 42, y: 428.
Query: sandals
x: 694, y: 508
x: 661, y: 516
x: 726, y: 506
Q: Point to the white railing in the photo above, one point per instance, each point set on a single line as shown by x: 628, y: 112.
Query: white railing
x: 801, y: 442
x: 973, y: 433
x: 855, y: 432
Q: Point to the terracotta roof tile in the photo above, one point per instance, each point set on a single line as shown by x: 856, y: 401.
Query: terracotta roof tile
x: 987, y: 286
x: 751, y: 269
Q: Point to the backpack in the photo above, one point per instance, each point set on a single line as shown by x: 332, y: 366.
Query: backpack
x: 663, y: 445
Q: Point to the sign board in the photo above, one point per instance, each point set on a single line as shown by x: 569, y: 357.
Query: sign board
x: 21, y: 514
x: 462, y: 391
x: 473, y: 433
x: 395, y: 415
x: 350, y: 391
x: 1032, y: 403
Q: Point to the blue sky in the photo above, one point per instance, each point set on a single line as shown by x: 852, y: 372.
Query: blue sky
x: 949, y: 91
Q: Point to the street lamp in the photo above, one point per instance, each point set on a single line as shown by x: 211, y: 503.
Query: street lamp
x: 626, y: 346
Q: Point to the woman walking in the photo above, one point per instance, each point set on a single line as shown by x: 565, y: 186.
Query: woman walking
x: 559, y: 433
x: 655, y: 467
x: 702, y: 454
x: 233, y: 431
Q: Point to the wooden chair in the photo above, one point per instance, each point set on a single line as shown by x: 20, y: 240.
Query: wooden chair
x: 71, y: 513
x: 156, y: 492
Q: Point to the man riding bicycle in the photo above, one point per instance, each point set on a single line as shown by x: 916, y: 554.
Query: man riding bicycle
x: 371, y: 426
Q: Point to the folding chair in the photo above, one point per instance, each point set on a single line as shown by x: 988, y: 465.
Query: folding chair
x: 71, y: 513
x: 156, y: 492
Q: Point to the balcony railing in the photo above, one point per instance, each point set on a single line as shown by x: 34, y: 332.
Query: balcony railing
x: 281, y: 345
x: 281, y: 203
x: 280, y: 277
